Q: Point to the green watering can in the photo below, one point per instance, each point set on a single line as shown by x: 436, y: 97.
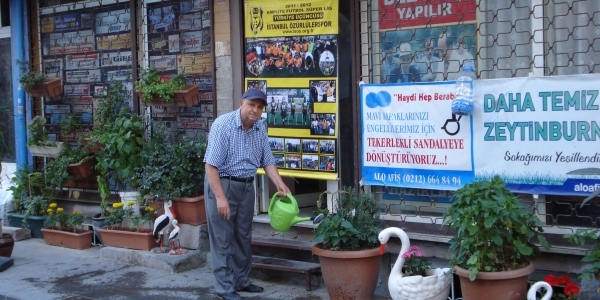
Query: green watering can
x: 283, y: 212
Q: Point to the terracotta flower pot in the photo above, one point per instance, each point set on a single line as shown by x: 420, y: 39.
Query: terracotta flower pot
x: 187, y: 210
x: 81, y: 170
x: 188, y: 97
x: 123, y: 237
x: 509, y: 285
x: 7, y: 243
x: 49, y: 88
x: 67, y: 238
x: 349, y: 274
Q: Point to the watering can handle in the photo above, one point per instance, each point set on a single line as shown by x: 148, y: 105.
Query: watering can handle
x: 274, y: 199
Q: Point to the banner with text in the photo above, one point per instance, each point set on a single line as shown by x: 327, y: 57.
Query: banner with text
x: 539, y: 133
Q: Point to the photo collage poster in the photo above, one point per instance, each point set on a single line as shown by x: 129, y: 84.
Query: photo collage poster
x: 291, y: 54
x: 179, y: 41
x: 87, y: 49
x: 433, y: 45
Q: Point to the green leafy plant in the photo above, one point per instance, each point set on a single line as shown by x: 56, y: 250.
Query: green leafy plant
x: 30, y: 193
x: 110, y: 102
x: 353, y: 225
x: 28, y: 78
x: 413, y: 263
x: 494, y: 231
x: 62, y: 220
x: 104, y: 191
x: 171, y: 169
x: 120, y: 212
x: 69, y: 124
x: 150, y: 83
x: 37, y: 133
x: 587, y: 238
x: 56, y: 169
x: 123, y: 142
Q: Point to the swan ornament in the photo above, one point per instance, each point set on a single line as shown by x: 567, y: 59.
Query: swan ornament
x: 435, y: 286
x: 532, y: 293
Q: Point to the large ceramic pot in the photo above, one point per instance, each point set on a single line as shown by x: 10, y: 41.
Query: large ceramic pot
x: 7, y: 243
x: 34, y: 223
x: 187, y: 210
x: 68, y: 239
x: 123, y: 237
x: 509, y: 285
x: 349, y: 274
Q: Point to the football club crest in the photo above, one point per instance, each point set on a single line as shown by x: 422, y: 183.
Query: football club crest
x: 257, y: 20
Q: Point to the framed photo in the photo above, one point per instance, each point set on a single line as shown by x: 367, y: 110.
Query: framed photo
x: 292, y: 145
x: 322, y: 124
x: 322, y: 91
x: 276, y: 144
x: 288, y: 108
x: 327, y: 146
x: 310, y: 146
x: 279, y: 160
x: 260, y: 85
x: 327, y: 163
x: 310, y: 162
x: 292, y: 161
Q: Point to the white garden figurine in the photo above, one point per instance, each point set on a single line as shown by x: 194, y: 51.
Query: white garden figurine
x: 435, y: 286
x: 532, y: 293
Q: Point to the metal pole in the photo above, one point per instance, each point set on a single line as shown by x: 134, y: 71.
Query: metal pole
x: 18, y: 17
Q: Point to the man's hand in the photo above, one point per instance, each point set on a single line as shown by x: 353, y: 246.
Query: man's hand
x: 283, y: 189
x: 223, y: 207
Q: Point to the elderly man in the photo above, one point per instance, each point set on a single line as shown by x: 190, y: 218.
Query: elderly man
x: 399, y: 70
x: 237, y: 146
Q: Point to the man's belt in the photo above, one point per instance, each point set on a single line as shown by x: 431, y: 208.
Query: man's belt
x: 238, y: 179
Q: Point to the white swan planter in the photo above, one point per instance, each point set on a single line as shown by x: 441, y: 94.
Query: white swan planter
x: 531, y: 294
x: 435, y: 286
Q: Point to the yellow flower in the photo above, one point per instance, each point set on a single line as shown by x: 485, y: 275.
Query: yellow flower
x: 59, y: 210
x: 149, y: 208
x: 116, y: 205
x: 76, y: 212
x: 52, y: 205
x: 50, y: 213
x: 49, y: 210
x: 130, y: 203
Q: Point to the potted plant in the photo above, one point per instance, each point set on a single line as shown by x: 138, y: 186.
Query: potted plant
x: 153, y: 91
x: 117, y: 235
x: 30, y: 199
x: 37, y: 141
x: 36, y: 84
x: 494, y: 240
x: 174, y: 171
x: 72, y: 164
x: 64, y: 231
x: 412, y: 276
x: 120, y: 157
x: 348, y: 247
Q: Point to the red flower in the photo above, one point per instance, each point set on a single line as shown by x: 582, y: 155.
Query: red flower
x: 552, y: 280
x: 570, y: 289
x: 564, y: 279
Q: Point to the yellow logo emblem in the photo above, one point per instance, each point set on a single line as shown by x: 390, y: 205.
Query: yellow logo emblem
x: 256, y: 15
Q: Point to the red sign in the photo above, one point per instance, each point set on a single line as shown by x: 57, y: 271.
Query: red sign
x: 409, y: 13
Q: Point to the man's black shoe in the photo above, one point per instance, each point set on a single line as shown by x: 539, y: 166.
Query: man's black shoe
x: 230, y: 296
x: 252, y: 288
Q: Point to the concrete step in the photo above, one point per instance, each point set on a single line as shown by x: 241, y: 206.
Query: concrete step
x: 164, y: 261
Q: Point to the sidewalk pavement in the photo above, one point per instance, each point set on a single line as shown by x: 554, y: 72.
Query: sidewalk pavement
x: 44, y: 272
